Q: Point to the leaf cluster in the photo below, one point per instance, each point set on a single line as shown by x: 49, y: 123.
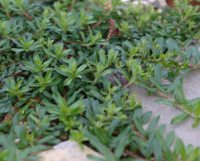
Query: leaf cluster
x: 67, y: 73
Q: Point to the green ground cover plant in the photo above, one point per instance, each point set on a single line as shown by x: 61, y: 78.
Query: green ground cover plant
x: 67, y: 68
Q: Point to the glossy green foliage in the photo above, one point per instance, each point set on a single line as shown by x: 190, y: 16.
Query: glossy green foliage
x: 66, y: 73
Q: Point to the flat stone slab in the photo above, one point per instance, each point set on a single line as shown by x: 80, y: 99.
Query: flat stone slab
x: 68, y: 151
x: 184, y: 130
x: 156, y: 3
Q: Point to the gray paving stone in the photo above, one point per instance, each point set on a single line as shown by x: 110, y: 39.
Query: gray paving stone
x: 184, y: 130
x: 156, y: 3
x: 68, y: 151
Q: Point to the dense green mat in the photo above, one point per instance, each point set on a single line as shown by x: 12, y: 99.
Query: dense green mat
x: 67, y: 68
